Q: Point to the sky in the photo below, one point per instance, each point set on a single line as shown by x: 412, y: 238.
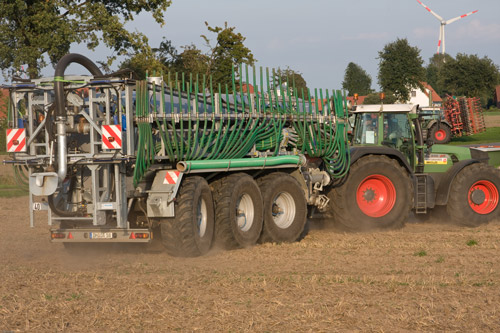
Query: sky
x: 319, y: 38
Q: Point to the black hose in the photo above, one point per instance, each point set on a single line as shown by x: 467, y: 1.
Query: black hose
x: 63, y: 63
x: 59, y: 212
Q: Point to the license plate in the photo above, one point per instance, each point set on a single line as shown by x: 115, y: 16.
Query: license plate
x: 101, y: 235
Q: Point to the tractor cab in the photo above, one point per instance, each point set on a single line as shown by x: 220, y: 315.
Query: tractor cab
x: 385, y: 126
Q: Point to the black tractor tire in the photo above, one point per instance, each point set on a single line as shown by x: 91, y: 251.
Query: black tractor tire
x: 238, y: 211
x: 285, y: 208
x: 190, y: 233
x: 377, y: 194
x: 440, y: 133
x: 474, y: 195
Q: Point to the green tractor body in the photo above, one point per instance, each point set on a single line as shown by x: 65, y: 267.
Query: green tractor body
x: 395, y: 170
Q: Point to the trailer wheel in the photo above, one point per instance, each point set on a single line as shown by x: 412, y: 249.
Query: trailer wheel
x: 285, y: 208
x: 190, y: 233
x: 377, y: 194
x: 238, y: 211
x: 474, y: 195
x: 440, y: 134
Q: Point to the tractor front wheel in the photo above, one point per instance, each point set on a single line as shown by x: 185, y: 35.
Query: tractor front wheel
x: 475, y: 195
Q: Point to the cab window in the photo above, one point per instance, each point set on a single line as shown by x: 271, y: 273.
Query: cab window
x: 366, y: 129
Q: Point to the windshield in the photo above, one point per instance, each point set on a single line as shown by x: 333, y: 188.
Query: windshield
x: 396, y: 128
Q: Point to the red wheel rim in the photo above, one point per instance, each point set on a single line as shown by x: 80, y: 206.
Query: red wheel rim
x: 440, y: 135
x: 483, y: 197
x: 376, y: 196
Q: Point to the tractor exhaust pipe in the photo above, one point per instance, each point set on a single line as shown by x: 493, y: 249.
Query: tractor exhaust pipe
x: 60, y: 105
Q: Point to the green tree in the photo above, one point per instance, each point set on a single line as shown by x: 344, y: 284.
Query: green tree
x: 434, y: 71
x: 228, y: 51
x: 292, y: 79
x: 356, y: 80
x: 400, y: 68
x: 31, y: 30
x: 152, y: 61
x: 374, y: 98
x: 471, y: 76
x: 193, y: 61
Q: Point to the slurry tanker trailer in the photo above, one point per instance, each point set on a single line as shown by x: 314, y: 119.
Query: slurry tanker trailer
x: 178, y: 158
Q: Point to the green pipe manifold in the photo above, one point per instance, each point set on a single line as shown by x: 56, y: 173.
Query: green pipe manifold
x: 191, y: 120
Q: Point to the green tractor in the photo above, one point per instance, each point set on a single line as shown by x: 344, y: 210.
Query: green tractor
x: 393, y: 171
x: 434, y: 125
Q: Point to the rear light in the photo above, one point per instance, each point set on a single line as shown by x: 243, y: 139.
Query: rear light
x: 58, y: 235
x: 139, y: 235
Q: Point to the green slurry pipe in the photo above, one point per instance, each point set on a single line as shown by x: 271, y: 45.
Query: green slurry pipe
x: 237, y: 163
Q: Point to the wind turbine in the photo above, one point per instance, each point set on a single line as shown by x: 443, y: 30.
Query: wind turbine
x: 443, y: 23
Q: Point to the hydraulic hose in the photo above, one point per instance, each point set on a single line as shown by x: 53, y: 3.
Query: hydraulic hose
x: 60, y: 105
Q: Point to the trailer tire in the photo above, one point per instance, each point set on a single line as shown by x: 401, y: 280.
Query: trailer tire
x: 285, y: 208
x: 475, y: 195
x: 440, y: 133
x: 238, y: 211
x: 377, y: 194
x: 191, y: 232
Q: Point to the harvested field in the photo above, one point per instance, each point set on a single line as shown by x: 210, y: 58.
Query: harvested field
x: 492, y: 121
x: 425, y: 277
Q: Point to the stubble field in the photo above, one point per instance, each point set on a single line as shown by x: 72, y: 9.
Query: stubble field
x: 424, y: 277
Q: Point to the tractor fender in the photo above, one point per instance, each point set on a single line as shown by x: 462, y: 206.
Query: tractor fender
x: 444, y: 187
x: 358, y: 152
x: 434, y: 121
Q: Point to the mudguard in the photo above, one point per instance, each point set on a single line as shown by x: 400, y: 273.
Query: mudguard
x: 358, y: 152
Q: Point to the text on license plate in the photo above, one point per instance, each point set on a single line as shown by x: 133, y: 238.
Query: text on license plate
x: 101, y: 235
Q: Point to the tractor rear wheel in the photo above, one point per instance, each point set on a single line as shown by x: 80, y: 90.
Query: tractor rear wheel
x: 377, y: 194
x: 285, y: 208
x: 238, y: 211
x: 190, y: 233
x: 475, y: 195
x: 440, y: 133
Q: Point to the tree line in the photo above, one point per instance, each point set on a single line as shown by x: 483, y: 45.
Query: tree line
x: 36, y: 33
x: 401, y: 70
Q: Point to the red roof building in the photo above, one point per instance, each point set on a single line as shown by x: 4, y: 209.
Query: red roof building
x: 4, y: 95
x: 361, y: 100
x: 496, y: 98
x: 425, y: 97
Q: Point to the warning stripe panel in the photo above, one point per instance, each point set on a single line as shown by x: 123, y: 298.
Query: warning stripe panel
x: 111, y: 136
x: 171, y: 177
x: 16, y: 140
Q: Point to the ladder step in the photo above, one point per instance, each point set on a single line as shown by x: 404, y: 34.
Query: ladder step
x: 421, y: 194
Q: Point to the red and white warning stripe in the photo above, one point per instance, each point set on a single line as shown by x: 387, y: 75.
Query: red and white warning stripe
x: 16, y: 140
x: 111, y: 136
x: 171, y: 177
